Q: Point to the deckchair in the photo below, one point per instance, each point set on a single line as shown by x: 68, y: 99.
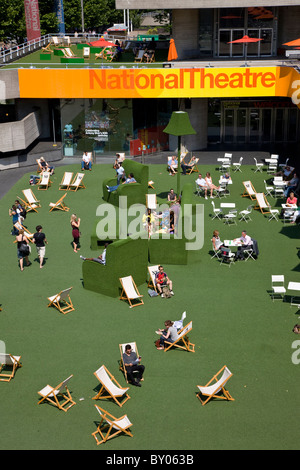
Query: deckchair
x: 69, y: 52
x: 193, y: 167
x: 211, y: 391
x: 77, y: 182
x: 110, y: 55
x: 30, y: 202
x: 152, y: 272
x: 47, y: 48
x: 150, y: 184
x: 249, y: 190
x: 67, y: 40
x: 55, y: 41
x: 110, y: 386
x: 117, y: 425
x: 59, y: 204
x: 62, y: 301
x: 86, y: 52
x: 182, y: 341
x: 151, y: 202
x: 262, y: 203
x: 10, y: 362
x: 45, y: 181
x: 122, y: 366
x: 130, y: 292
x: 66, y: 181
x: 52, y: 395
x: 27, y: 234
x: 140, y: 55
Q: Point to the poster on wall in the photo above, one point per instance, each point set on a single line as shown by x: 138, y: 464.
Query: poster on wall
x: 59, y: 10
x: 32, y: 18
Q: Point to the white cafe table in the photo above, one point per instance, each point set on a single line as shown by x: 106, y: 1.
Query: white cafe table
x: 232, y: 243
x: 227, y: 205
x: 289, y: 206
x: 295, y: 287
x: 225, y: 180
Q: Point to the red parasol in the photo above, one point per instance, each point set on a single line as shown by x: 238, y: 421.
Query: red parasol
x: 245, y: 40
x: 296, y: 42
x: 102, y: 43
x: 172, y: 54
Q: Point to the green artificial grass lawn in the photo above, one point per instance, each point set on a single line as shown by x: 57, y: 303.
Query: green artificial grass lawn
x: 126, y: 57
x: 234, y: 319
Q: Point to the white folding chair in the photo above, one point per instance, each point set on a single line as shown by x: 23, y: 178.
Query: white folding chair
x: 278, y: 289
x: 259, y: 166
x: 218, y: 213
x: 237, y: 166
x: 245, y: 214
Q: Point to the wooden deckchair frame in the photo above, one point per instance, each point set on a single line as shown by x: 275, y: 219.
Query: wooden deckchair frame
x: 220, y: 387
x: 66, y: 181
x: 45, y: 181
x: 78, y: 178
x: 122, y: 366
x: 110, y: 422
x: 262, y: 204
x: 59, y: 204
x: 30, y: 205
x: 62, y: 301
x: 125, y: 296
x: 249, y: 190
x: 27, y: 234
x: 104, y: 388
x: 152, y: 270
x: 187, y: 345
x: 51, y: 395
x: 8, y: 361
x: 194, y: 166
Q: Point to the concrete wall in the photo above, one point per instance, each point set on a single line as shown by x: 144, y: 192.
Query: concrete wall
x: 185, y: 31
x: 18, y: 135
x: 198, y: 118
x: 9, y: 84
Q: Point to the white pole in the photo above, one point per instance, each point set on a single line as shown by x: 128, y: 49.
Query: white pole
x: 82, y: 16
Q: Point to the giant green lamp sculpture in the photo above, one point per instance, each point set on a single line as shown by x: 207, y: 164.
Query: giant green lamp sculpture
x: 179, y: 125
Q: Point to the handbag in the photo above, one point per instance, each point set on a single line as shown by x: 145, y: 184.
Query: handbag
x: 24, y: 249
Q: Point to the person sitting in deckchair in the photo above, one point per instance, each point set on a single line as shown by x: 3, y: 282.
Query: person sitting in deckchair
x: 132, y: 364
x: 45, y: 167
x: 161, y: 280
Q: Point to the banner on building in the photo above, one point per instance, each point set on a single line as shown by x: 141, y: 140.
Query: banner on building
x: 59, y: 10
x: 32, y: 18
x: 159, y: 83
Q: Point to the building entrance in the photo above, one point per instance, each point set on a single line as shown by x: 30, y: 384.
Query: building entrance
x: 258, y: 122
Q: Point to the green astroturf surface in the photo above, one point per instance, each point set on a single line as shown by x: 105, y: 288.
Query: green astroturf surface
x: 234, y: 323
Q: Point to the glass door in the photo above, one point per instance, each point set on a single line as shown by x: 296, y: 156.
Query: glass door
x: 226, y: 49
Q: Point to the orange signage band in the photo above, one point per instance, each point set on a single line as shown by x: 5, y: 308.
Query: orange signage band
x: 157, y: 83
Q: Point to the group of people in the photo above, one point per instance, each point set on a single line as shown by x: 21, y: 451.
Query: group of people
x: 23, y: 246
x: 244, y: 242
x: 206, y: 184
x: 43, y: 166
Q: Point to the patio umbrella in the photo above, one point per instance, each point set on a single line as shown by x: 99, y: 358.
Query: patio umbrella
x: 245, y: 40
x: 102, y: 43
x: 294, y: 43
x: 172, y: 54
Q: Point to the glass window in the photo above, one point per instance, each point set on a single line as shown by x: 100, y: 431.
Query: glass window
x: 99, y: 125
x: 231, y: 18
x: 206, y: 31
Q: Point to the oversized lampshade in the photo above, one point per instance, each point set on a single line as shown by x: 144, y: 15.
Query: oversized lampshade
x: 179, y: 124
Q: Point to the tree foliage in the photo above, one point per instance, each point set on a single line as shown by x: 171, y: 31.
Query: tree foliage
x: 98, y: 15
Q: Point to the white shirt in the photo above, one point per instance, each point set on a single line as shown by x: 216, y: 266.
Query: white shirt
x: 246, y: 240
x: 86, y: 158
x: 201, y: 182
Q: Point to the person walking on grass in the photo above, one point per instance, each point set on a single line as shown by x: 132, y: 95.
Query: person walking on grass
x: 39, y: 239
